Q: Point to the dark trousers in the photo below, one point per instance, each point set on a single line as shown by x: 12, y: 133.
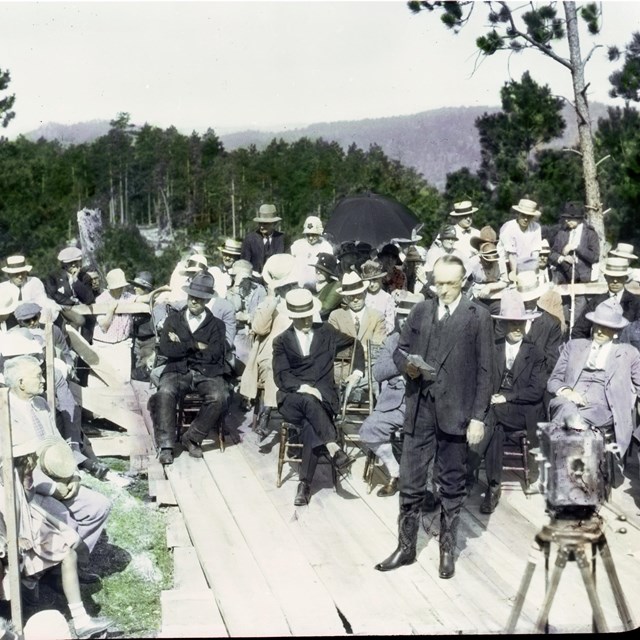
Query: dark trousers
x: 173, y: 387
x: 418, y: 451
x: 316, y: 428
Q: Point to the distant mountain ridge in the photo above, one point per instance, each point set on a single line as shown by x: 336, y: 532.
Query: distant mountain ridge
x: 433, y: 142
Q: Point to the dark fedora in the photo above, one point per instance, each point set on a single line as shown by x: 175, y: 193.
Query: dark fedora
x: 200, y: 286
x: 392, y: 250
x: 573, y: 210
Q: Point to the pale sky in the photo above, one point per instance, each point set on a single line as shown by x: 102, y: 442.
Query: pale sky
x: 262, y: 65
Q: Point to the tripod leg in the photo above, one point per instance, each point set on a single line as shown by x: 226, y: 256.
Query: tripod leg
x: 616, y: 587
x: 598, y: 614
x: 561, y: 562
x: 524, y: 587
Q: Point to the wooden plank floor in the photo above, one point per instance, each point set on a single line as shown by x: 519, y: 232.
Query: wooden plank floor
x: 275, y: 569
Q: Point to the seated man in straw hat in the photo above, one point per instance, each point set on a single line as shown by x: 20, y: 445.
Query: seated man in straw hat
x: 576, y: 247
x: 270, y: 320
x: 598, y: 379
x: 193, y: 342
x: 522, y: 236
x: 306, y: 249
x: 229, y: 252
x: 519, y: 380
x: 25, y: 287
x: 79, y: 507
x: 112, y: 333
x: 303, y: 358
x: 616, y: 274
x: 259, y: 245
x: 357, y: 321
x: 44, y: 542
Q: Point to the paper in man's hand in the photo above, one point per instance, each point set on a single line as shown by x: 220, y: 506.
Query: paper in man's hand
x: 427, y: 371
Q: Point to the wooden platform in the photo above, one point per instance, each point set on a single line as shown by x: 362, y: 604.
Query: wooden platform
x: 273, y: 569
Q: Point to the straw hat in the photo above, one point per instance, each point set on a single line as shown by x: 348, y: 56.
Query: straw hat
x: 489, y: 251
x: 406, y: 301
x: 512, y: 307
x: 56, y: 458
x: 200, y: 286
x: 116, y: 279
x: 372, y: 270
x: 70, y: 254
x: 623, y: 250
x: 528, y: 285
x: 328, y: 263
x: 545, y: 249
x: 279, y: 270
x: 313, y: 225
x: 616, y: 267
x: 267, y: 213
x: 464, y: 208
x: 48, y: 624
x: 301, y: 303
x: 487, y: 234
x: 608, y: 314
x: 231, y: 247
x: 8, y: 304
x: 17, y: 264
x: 528, y: 207
x: 352, y: 284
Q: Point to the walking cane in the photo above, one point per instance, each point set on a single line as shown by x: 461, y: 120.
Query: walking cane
x: 572, y: 295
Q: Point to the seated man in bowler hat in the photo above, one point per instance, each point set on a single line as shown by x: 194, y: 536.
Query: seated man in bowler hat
x: 193, y: 342
x: 307, y: 395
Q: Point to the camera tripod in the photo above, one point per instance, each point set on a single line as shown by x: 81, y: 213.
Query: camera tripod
x: 572, y: 537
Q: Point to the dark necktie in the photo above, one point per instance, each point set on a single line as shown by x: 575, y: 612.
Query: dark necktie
x: 357, y: 324
x: 267, y: 247
x: 19, y: 293
x: 446, y: 315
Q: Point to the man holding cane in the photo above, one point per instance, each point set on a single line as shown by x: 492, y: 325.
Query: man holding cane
x: 445, y: 351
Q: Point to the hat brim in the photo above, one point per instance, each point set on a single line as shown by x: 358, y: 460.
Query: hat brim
x: 591, y: 317
x: 457, y: 214
x: 477, y: 241
x: 353, y: 292
x: 332, y: 274
x: 27, y: 268
x: 315, y: 308
x: 490, y: 257
x: 291, y: 278
x: 196, y: 293
x: 527, y: 316
x: 228, y: 252
x: 377, y: 276
x: 621, y: 254
x: 5, y: 311
x: 270, y: 219
x: 143, y: 285
x: 117, y: 285
x: 531, y: 214
x: 626, y: 273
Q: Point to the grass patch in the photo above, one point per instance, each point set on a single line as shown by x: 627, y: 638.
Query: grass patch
x: 132, y: 558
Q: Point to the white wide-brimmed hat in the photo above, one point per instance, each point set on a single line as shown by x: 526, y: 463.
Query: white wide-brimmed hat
x: 608, y: 314
x: 279, y: 270
x: 8, y: 304
x: 528, y: 207
x: 528, y: 285
x: 116, y: 279
x: 267, y: 213
x: 352, y: 284
x: 301, y: 303
x: 623, y: 250
x: 17, y: 264
x: 313, y: 225
x: 512, y: 307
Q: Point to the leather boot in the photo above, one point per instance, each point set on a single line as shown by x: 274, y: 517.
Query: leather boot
x: 405, y: 552
x: 448, y: 533
x: 262, y: 428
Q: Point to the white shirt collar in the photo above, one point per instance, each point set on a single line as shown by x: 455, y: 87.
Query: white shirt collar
x: 452, y: 307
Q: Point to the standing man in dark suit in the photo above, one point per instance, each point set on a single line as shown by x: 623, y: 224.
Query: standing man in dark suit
x: 616, y: 273
x: 519, y: 381
x: 445, y: 350
x: 307, y: 395
x: 576, y: 247
x: 265, y: 241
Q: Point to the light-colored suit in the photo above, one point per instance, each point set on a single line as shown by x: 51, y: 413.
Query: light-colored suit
x: 621, y: 381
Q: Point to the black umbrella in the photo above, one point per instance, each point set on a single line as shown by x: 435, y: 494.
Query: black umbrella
x: 370, y: 217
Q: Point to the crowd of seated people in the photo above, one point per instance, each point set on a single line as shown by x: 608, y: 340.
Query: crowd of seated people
x: 247, y: 324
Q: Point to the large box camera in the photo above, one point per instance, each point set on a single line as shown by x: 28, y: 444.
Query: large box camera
x: 573, y: 466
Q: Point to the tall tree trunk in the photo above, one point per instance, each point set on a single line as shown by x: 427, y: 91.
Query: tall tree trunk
x: 589, y: 170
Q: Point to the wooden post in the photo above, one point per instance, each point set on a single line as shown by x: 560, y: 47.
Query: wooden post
x: 49, y: 356
x: 10, y: 511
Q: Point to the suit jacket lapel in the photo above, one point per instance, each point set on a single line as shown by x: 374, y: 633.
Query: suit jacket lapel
x: 455, y: 326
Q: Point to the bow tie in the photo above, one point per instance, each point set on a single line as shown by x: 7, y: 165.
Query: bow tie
x: 466, y: 230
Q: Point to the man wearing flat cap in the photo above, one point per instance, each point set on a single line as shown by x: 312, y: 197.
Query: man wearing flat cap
x: 576, y: 247
x: 193, y: 342
x: 259, y: 245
